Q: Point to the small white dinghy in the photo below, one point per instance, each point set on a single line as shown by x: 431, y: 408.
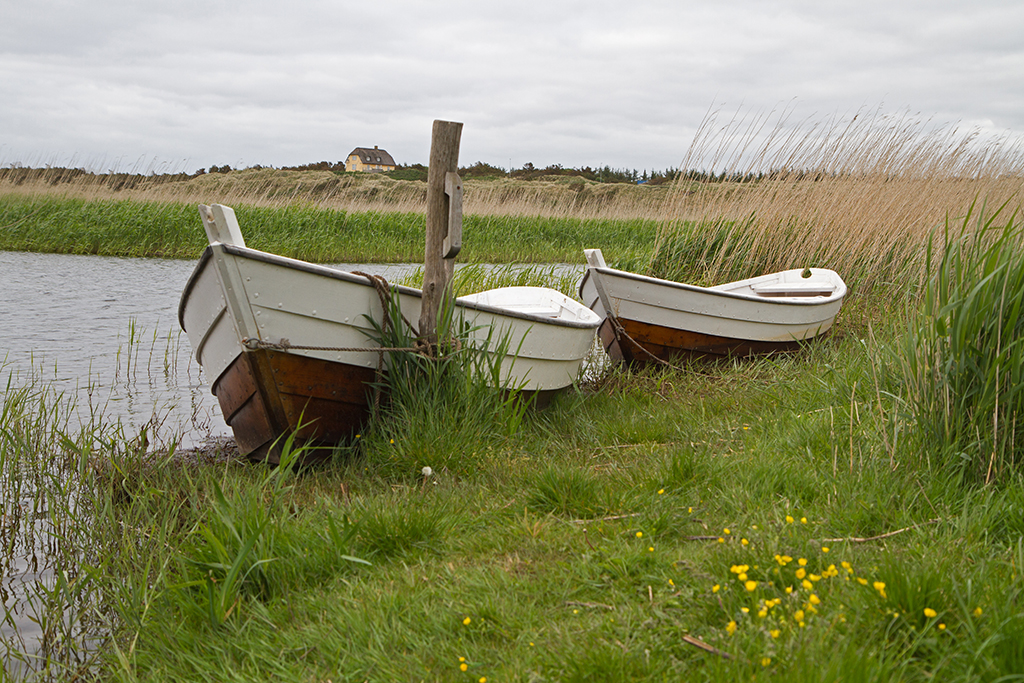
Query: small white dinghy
x: 645, y: 319
x: 282, y: 340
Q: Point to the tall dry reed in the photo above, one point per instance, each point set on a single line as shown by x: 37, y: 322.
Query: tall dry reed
x: 860, y: 195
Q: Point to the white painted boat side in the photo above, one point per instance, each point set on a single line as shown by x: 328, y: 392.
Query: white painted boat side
x: 273, y: 298
x: 733, y: 310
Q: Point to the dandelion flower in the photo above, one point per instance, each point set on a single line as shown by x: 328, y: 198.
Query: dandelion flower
x: 462, y: 659
x: 789, y: 589
x: 650, y: 548
x: 789, y: 520
x: 661, y: 491
x: 742, y: 577
x: 798, y: 615
x: 483, y: 679
x: 745, y: 610
x: 802, y: 562
x: 671, y: 583
x: 721, y: 540
x: 814, y: 599
x: 880, y: 587
x: 762, y: 613
x: 466, y: 621
x: 807, y: 584
x: 689, y: 510
x: 731, y: 627
x: 775, y: 633
x: 744, y: 541
x: 392, y: 440
x: 751, y: 586
x: 726, y: 531
x: 639, y: 534
x: 977, y: 611
x: 814, y: 577
x: 575, y: 611
x: 765, y: 661
x: 803, y: 520
x: 824, y: 549
x: 942, y: 627
x: 930, y: 613
x: 463, y: 667
x: 715, y: 588
x: 427, y: 471
x: 801, y: 573
x: 861, y: 581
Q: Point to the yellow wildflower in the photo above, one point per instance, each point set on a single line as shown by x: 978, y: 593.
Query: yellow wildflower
x: 789, y: 589
x: 802, y: 562
x: 862, y: 582
x: 671, y: 582
x: 814, y: 599
x: 466, y: 621
x: 930, y: 613
x: 824, y: 549
x: 762, y: 613
x: 798, y: 615
x: 745, y: 610
x: 715, y: 588
x: 775, y: 633
x: 789, y: 520
x: 731, y: 627
x: 751, y: 586
x: 639, y: 534
x: 803, y: 520
x: 942, y: 627
x: 721, y: 540
x: 463, y: 667
x: 650, y: 548
x: 814, y: 577
x: 765, y: 661
x: 744, y: 541
x: 880, y: 587
x: 726, y: 531
x: 801, y: 573
x: 977, y: 611
x: 661, y: 491
x: 807, y: 584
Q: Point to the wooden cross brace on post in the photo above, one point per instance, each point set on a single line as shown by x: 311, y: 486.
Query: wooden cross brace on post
x: 444, y: 224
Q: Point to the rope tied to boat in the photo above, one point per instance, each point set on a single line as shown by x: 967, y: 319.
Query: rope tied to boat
x: 620, y: 332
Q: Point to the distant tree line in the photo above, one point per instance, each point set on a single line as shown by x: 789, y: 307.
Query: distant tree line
x: 18, y: 174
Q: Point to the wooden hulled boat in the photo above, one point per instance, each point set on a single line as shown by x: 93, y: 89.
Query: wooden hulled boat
x: 645, y: 319
x: 282, y: 340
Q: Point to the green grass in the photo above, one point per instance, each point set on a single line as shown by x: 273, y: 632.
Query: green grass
x: 583, y: 545
x: 168, y: 230
x: 598, y: 539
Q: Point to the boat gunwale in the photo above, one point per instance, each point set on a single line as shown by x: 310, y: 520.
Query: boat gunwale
x: 838, y: 295
x: 317, y: 269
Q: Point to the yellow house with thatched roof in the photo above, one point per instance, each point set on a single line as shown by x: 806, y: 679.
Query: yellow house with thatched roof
x: 368, y: 160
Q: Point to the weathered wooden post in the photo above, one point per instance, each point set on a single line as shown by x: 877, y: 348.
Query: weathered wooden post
x: 444, y: 223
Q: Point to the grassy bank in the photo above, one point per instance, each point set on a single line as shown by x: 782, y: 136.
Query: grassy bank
x: 769, y: 519
x: 173, y: 230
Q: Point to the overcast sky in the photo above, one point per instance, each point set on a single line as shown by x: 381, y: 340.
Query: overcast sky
x: 141, y: 85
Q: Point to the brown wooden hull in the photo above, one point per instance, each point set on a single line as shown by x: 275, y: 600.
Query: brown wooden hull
x: 266, y: 395
x: 644, y: 340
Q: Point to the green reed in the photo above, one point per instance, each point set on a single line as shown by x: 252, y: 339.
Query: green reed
x: 173, y: 230
x: 963, y: 359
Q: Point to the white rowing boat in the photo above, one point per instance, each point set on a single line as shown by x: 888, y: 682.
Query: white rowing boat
x: 646, y: 318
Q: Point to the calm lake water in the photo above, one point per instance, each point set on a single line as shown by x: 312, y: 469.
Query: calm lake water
x: 105, y: 330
